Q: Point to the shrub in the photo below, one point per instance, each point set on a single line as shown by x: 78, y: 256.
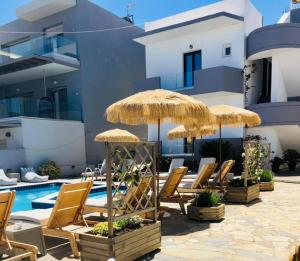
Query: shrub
x: 266, y: 176
x: 101, y: 229
x: 238, y: 183
x: 50, y: 169
x: 292, y: 158
x: 206, y: 199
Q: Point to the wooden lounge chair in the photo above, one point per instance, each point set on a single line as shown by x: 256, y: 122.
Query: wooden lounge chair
x: 225, y: 169
x: 28, y: 251
x: 66, y: 215
x: 68, y: 210
x: 295, y: 256
x: 169, y: 191
x: 133, y: 196
x: 198, y: 184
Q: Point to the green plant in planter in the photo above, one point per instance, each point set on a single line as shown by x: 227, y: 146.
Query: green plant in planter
x: 292, y: 158
x: 238, y: 183
x: 101, y: 229
x: 50, y: 169
x: 266, y: 176
x: 206, y: 199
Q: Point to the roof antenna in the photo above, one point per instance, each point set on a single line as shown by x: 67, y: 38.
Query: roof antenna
x: 129, y: 18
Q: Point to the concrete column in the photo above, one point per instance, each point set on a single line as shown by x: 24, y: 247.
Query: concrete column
x: 278, y: 91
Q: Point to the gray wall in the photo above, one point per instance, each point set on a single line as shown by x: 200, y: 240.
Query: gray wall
x: 273, y: 37
x: 278, y: 113
x: 110, y: 62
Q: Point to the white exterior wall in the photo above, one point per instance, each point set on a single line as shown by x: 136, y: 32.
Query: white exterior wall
x: 278, y: 93
x: 272, y: 137
x: 15, y: 141
x: 165, y: 58
x: 60, y: 141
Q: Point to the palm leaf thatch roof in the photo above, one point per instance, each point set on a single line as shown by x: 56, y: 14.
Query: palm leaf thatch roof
x: 116, y: 135
x: 234, y: 116
x: 150, y: 106
x: 181, y: 132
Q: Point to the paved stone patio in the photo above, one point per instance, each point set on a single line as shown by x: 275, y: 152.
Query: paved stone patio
x: 267, y: 229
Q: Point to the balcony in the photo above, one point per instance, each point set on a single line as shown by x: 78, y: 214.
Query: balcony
x: 216, y: 79
x: 36, y: 9
x: 268, y: 40
x: 278, y: 113
x: 38, y: 57
x: 41, y: 108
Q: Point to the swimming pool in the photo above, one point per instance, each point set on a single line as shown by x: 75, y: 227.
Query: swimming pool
x: 27, y: 196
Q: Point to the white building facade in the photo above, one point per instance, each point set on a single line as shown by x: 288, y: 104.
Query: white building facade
x: 201, y: 53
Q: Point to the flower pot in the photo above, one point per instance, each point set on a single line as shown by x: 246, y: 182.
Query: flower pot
x: 206, y: 213
x: 129, y: 245
x: 266, y: 186
x: 292, y: 166
x: 242, y: 194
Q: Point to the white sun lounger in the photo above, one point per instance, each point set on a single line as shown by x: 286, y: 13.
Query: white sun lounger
x: 29, y: 175
x: 5, y: 181
x: 175, y: 163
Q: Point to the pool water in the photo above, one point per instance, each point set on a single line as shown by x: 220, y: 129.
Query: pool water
x: 25, y: 196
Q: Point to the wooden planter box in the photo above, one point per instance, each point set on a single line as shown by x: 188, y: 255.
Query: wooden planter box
x: 206, y: 213
x: 242, y: 194
x: 266, y: 186
x: 125, y: 247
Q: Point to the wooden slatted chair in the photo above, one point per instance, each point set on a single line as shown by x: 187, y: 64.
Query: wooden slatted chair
x: 28, y: 251
x: 68, y: 211
x: 132, y: 197
x: 198, y: 184
x: 169, y: 191
x: 225, y: 169
x: 295, y: 256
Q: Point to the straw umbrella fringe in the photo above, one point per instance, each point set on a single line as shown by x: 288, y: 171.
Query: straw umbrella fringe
x: 116, y: 135
x: 231, y: 116
x: 156, y: 106
x: 190, y: 133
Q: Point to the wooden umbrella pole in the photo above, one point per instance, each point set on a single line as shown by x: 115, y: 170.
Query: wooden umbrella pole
x: 220, y: 153
x: 158, y: 159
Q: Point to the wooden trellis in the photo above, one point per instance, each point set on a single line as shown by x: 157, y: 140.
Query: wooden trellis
x: 131, y: 180
x: 266, y: 147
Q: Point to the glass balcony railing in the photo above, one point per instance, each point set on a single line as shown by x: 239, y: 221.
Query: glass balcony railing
x: 44, y: 46
x: 175, y: 81
x: 41, y: 108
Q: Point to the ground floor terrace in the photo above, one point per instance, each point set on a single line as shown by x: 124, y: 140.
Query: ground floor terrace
x: 267, y: 229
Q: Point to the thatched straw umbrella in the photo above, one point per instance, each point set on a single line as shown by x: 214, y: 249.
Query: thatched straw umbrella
x: 182, y: 132
x: 231, y: 116
x: 155, y: 107
x: 116, y: 135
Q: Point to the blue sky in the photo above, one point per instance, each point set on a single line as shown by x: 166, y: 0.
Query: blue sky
x: 147, y: 10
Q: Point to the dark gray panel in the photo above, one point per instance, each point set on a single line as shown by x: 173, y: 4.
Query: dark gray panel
x: 194, y: 21
x: 148, y: 84
x: 273, y: 37
x: 295, y: 15
x: 216, y: 79
x: 278, y: 113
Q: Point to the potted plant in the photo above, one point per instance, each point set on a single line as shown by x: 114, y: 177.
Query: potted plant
x: 133, y: 237
x: 266, y: 182
x: 276, y: 162
x: 292, y: 158
x: 237, y: 192
x: 206, y: 207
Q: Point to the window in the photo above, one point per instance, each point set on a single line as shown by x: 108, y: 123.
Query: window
x: 226, y: 50
x: 53, y: 38
x: 192, y: 62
